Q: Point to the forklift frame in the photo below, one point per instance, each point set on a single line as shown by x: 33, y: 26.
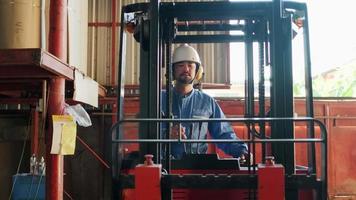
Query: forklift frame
x: 267, y: 23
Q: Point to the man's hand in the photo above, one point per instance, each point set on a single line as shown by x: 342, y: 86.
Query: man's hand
x: 177, y: 130
x: 245, y: 157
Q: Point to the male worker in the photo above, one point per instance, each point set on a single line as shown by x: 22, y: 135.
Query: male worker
x: 191, y: 103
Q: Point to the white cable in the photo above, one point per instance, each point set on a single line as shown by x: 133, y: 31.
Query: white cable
x: 21, y: 157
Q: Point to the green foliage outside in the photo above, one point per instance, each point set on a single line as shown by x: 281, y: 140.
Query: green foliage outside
x: 338, y: 82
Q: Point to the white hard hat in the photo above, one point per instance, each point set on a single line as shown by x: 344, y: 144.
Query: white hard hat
x: 185, y: 53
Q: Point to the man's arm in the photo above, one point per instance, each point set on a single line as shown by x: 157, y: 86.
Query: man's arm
x: 223, y: 130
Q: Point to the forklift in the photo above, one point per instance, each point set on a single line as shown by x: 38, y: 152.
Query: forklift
x: 266, y: 30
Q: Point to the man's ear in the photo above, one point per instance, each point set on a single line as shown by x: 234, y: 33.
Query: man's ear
x: 199, y: 73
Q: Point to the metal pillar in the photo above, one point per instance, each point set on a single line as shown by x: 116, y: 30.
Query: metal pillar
x: 309, y: 94
x: 154, y: 77
x: 282, y: 90
x: 282, y: 87
x: 113, y: 54
x: 113, y: 45
x: 58, y: 47
x: 150, y: 83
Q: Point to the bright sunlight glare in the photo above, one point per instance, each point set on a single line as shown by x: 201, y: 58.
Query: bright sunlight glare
x: 332, y: 38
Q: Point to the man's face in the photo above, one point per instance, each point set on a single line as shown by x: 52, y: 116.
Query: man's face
x: 184, y: 72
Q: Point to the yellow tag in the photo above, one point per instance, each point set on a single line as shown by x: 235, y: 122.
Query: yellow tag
x: 64, y: 135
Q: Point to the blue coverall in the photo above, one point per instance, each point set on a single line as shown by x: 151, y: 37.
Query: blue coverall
x: 198, y: 105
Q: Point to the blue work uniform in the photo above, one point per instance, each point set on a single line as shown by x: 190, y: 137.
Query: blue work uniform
x: 198, y: 105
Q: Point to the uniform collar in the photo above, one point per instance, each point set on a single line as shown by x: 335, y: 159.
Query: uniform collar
x: 184, y: 96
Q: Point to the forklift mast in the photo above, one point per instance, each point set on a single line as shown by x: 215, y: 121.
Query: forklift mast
x: 157, y: 26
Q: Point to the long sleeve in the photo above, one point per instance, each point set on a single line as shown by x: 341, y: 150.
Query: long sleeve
x: 223, y: 130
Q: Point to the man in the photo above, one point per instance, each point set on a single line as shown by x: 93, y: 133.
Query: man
x: 191, y: 103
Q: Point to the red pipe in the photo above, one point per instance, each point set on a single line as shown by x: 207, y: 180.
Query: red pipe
x: 113, y: 41
x: 113, y: 55
x: 93, y: 152
x: 58, y: 47
x: 114, y: 111
x: 102, y: 24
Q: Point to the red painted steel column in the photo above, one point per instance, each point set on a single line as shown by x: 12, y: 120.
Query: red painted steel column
x: 271, y: 180
x: 113, y: 56
x: 148, y: 180
x: 58, y: 47
x: 113, y: 41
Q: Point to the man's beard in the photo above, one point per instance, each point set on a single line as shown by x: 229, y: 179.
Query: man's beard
x: 184, y: 79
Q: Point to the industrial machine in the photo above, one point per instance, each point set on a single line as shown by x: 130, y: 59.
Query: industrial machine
x: 265, y: 28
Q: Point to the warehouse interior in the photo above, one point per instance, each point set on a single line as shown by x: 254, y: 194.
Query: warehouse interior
x: 103, y: 63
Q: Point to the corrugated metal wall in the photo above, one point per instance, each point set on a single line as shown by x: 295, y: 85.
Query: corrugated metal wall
x: 99, y: 39
x: 214, y: 56
x: 215, y: 62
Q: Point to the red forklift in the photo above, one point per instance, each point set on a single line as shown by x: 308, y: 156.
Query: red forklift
x: 266, y: 29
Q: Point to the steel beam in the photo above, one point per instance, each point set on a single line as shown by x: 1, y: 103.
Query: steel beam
x: 33, y: 63
x: 208, y: 38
